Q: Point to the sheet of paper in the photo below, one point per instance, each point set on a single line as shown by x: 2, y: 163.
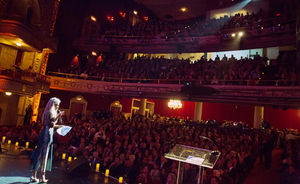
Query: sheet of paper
x: 194, y: 160
x: 63, y: 130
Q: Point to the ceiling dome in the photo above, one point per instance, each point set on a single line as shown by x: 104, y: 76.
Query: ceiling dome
x: 26, y: 11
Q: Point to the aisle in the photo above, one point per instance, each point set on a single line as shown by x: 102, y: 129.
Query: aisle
x: 261, y: 175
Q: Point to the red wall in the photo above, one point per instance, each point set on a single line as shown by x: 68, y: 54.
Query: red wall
x: 161, y: 108
x: 283, y: 119
x: 277, y: 118
x: 230, y: 112
x: 95, y: 101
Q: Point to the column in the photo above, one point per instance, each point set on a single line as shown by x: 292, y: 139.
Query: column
x: 205, y: 55
x: 258, y: 116
x: 142, y: 109
x: 198, y: 111
x: 264, y: 52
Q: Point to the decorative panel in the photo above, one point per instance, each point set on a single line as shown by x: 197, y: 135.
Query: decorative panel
x: 49, y: 10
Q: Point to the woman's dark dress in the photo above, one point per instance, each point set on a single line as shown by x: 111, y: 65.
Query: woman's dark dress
x: 43, y: 154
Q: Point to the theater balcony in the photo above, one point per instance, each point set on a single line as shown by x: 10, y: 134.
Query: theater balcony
x: 261, y: 93
x: 25, y: 83
x: 21, y: 22
x: 265, y: 36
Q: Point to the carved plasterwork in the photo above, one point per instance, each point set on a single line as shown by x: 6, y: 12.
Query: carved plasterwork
x: 37, y: 62
x: 49, y: 10
x: 44, y: 62
x: 94, y: 86
x: 36, y: 103
x: 3, y: 6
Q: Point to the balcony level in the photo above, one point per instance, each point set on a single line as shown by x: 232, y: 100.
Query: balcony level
x: 264, y: 93
x: 223, y: 40
x: 25, y: 83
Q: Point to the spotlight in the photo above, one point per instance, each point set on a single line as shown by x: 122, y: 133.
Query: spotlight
x: 241, y: 34
x: 135, y: 12
x: 93, y: 18
x: 233, y: 35
x: 8, y: 93
x: 19, y: 44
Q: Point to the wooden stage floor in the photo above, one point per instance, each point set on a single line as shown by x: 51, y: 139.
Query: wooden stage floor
x: 16, y: 169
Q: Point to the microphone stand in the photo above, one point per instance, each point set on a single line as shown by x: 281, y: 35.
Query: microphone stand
x: 214, y: 152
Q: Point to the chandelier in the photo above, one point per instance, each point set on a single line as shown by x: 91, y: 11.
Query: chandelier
x: 175, y: 104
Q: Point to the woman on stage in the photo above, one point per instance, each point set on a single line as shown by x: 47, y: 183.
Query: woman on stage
x: 42, y: 155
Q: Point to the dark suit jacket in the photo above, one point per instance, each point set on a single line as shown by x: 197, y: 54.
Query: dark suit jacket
x: 94, y: 162
x: 232, y: 174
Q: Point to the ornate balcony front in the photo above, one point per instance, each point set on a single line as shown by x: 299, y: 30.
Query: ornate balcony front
x: 193, y: 42
x: 23, y: 83
x: 266, y: 93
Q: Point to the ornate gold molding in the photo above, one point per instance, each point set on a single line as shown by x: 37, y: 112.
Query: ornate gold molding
x: 44, y: 62
x: 49, y: 9
x: 3, y: 6
x: 36, y: 104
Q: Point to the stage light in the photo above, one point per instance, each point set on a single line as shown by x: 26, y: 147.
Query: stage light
x: 135, y: 12
x: 94, y: 53
x: 183, y: 9
x: 106, y: 172
x: 93, y: 18
x: 8, y: 93
x: 110, y: 18
x: 241, y: 34
x: 122, y: 14
x: 233, y: 35
x: 97, y: 167
x: 262, y: 28
x: 19, y: 44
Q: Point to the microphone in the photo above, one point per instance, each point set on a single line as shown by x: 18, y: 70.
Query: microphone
x: 214, y: 152
x: 59, y: 119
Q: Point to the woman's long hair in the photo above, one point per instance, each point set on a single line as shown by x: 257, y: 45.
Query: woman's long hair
x: 51, y: 107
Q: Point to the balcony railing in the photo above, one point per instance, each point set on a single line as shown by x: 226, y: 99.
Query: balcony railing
x: 27, y: 76
x: 194, y: 82
x: 263, y: 29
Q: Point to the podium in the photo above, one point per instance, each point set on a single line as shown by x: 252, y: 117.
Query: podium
x: 191, y: 155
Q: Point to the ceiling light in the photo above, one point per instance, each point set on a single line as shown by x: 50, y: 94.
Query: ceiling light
x: 19, y: 44
x: 8, y: 93
x: 233, y: 35
x: 241, y: 34
x: 135, y: 12
x: 94, y: 53
x: 175, y: 104
x: 93, y: 18
x: 183, y: 9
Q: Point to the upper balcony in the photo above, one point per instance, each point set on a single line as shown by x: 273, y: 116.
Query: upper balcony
x: 263, y: 36
x: 25, y: 83
x: 22, y: 24
x: 275, y: 93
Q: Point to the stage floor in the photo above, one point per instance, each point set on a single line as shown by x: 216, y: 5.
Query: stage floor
x: 16, y: 169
